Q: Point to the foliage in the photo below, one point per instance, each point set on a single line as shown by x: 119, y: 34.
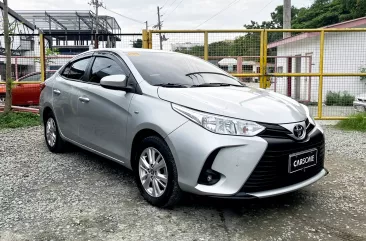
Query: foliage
x: 327, y: 12
x: 356, y: 122
x: 363, y: 70
x: 319, y: 14
x: 18, y: 119
x: 137, y: 43
x: 339, y: 99
x: 48, y: 53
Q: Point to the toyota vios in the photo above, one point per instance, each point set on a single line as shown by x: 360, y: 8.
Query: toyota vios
x: 182, y: 125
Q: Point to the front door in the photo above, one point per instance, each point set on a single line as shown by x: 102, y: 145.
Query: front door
x: 66, y: 92
x: 103, y: 113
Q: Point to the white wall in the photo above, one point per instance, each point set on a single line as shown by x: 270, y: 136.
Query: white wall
x: 343, y: 53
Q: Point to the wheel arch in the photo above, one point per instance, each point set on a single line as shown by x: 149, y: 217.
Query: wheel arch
x: 45, y: 113
x: 140, y: 135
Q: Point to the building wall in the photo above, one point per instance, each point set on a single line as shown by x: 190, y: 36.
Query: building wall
x: 343, y: 53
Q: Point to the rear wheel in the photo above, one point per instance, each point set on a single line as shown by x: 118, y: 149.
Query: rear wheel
x: 156, y: 173
x: 52, y: 136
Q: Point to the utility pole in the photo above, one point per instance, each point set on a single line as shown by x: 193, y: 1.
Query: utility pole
x: 8, y: 99
x: 287, y: 17
x: 159, y: 27
x: 97, y: 4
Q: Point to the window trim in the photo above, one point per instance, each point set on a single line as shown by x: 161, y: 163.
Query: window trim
x: 107, y: 57
x: 31, y: 76
x: 72, y: 62
x: 131, y: 80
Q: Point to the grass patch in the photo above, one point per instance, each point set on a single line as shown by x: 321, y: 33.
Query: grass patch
x: 339, y: 99
x: 356, y: 122
x: 18, y: 119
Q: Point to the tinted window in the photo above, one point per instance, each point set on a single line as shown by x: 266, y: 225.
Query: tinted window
x: 35, y: 77
x: 77, y: 69
x: 162, y: 68
x: 104, y: 67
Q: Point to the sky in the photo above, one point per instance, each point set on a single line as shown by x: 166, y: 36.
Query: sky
x: 177, y: 14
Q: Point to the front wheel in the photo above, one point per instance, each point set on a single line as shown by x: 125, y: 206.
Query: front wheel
x: 156, y: 173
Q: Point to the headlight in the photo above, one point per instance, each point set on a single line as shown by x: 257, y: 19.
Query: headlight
x: 219, y: 124
x: 310, y: 117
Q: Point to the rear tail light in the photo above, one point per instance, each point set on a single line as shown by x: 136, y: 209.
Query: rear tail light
x: 42, y: 86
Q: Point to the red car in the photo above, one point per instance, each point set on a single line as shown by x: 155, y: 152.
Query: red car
x: 26, y: 94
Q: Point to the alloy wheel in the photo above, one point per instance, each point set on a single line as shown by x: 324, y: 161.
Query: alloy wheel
x: 51, y: 132
x: 153, y: 172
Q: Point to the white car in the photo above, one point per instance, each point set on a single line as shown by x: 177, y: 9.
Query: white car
x: 360, y: 102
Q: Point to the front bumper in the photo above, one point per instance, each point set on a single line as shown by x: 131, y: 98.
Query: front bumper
x: 278, y: 191
x: 241, y: 162
x: 359, y: 105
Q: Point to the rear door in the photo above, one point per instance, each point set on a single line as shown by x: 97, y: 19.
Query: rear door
x: 66, y: 93
x: 104, y: 112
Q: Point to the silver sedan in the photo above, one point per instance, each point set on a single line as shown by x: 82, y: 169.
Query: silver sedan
x: 182, y: 125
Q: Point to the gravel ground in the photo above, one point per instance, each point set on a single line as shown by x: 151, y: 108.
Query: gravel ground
x: 80, y: 196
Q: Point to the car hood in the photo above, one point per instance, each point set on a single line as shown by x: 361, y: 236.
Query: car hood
x: 238, y: 102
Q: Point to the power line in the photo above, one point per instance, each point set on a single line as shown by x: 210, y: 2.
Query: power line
x: 173, y: 9
x: 169, y: 7
x: 132, y: 19
x: 266, y: 6
x: 165, y: 3
x: 222, y: 10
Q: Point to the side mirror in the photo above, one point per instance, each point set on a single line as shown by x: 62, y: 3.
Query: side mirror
x: 116, y: 82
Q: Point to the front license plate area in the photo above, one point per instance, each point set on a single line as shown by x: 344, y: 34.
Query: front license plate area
x: 302, y: 160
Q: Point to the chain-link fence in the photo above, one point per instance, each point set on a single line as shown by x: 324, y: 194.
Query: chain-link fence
x: 25, y: 69
x: 37, y: 57
x: 235, y: 51
x: 321, y: 68
x: 324, y: 69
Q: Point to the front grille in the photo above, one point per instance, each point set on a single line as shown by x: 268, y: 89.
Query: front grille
x: 272, y: 170
x: 277, y: 131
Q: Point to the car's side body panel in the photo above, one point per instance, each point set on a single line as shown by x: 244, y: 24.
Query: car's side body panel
x: 103, y: 120
x: 157, y: 116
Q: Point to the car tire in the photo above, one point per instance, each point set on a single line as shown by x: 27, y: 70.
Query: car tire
x: 172, y: 192
x: 52, y: 135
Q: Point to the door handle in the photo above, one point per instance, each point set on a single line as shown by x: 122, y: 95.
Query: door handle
x: 56, y: 91
x: 84, y: 99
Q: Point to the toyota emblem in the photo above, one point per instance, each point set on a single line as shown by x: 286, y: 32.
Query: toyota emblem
x: 299, y: 131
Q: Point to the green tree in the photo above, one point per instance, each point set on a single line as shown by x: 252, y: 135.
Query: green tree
x: 327, y: 12
x: 137, y: 43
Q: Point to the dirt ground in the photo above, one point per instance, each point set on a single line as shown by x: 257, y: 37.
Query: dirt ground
x: 80, y: 196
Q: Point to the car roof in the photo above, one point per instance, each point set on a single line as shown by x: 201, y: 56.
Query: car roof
x: 130, y: 50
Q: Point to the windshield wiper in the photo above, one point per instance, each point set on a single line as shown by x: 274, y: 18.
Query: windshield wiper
x: 216, y: 85
x: 171, y: 85
x: 199, y: 73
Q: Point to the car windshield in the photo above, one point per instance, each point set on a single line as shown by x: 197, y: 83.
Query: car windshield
x: 174, y: 70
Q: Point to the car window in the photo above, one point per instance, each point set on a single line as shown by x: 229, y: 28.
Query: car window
x: 102, y: 67
x: 163, y: 68
x: 77, y: 69
x: 34, y: 77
